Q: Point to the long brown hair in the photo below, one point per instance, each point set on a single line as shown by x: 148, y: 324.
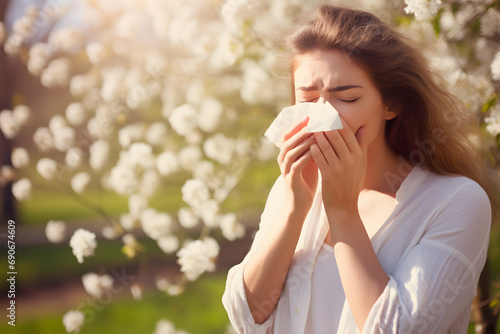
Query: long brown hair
x: 432, y: 127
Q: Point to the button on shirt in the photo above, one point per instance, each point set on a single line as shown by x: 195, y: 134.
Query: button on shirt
x: 433, y: 248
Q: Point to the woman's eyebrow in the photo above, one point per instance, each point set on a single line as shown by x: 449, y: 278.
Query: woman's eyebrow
x: 333, y: 89
x: 341, y: 88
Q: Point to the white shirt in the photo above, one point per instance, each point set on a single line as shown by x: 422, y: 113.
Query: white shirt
x: 433, y: 248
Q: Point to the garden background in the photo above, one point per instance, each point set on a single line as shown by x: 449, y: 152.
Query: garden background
x: 141, y: 123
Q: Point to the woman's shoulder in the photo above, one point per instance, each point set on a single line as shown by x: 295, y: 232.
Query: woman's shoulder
x: 440, y: 186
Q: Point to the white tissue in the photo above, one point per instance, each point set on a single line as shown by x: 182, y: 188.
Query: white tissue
x: 322, y: 117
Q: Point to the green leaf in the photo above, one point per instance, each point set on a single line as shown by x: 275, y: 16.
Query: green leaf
x: 490, y: 103
x: 437, y: 22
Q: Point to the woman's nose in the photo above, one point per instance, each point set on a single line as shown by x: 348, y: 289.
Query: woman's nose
x: 322, y: 99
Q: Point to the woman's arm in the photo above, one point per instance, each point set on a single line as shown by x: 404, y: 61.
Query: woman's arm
x: 341, y: 158
x: 266, y: 270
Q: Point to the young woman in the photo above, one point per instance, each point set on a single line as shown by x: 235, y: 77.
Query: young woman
x: 382, y: 226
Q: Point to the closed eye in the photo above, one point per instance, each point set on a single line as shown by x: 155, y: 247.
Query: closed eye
x: 348, y: 101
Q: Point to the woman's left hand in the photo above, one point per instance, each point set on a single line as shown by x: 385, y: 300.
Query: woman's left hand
x: 341, y: 158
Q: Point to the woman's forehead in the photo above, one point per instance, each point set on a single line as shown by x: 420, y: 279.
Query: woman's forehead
x: 329, y: 66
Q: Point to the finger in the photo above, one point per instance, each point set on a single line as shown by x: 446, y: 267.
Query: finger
x: 349, y: 138
x: 318, y: 157
x: 295, y: 154
x: 338, y: 143
x: 296, y: 129
x: 295, y: 138
x: 302, y: 162
x: 326, y: 148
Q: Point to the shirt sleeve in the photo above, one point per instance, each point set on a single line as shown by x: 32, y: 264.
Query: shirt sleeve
x: 234, y: 298
x: 435, y: 283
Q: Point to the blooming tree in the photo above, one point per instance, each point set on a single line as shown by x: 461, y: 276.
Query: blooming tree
x: 169, y: 90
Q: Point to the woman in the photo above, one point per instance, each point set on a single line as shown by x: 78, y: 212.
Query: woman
x: 382, y: 226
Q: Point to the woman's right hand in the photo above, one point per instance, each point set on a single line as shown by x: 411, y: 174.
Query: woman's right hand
x: 299, y: 170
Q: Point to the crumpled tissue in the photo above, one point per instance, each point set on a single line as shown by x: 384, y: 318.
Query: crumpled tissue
x: 319, y: 117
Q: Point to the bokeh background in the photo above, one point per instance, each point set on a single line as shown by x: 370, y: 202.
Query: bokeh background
x: 142, y: 122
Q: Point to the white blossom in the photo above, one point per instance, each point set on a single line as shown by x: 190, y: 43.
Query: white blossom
x: 13, y: 45
x: 46, y: 167
x: 97, y: 285
x: 21, y: 114
x: 187, y: 218
x: 96, y: 53
x: 423, y: 9
x: 166, y: 163
x: 208, y: 212
x: 39, y: 56
x: 74, y: 157
x: 73, y: 321
x: 80, y: 85
x: 204, y: 170
x: 99, y: 154
x: 493, y: 121
x: 75, y: 114
x: 136, y: 204
x: 57, y: 123
x: 155, y: 224
x: 136, y: 291
x: 64, y: 138
x: 8, y: 125
x: 128, y: 221
x: 123, y: 180
x: 156, y: 133
x: 189, y: 156
x: 55, y: 231
x: 24, y: 26
x: 68, y: 39
x: 172, y: 289
x: 43, y: 139
x: 129, y: 134
x: 109, y: 232
x: 212, y: 247
x: 56, y: 73
x: 220, y: 148
x: 149, y: 183
x: 112, y: 81
x: 141, y: 154
x: 20, y: 157
x: 80, y: 181
x: 495, y: 67
x: 21, y: 189
x: 7, y: 174
x: 229, y: 50
x: 197, y: 257
x: 195, y: 193
x: 210, y: 114
x: 183, y: 119
x: 255, y: 87
x: 83, y: 244
x: 168, y: 244
x: 164, y: 327
x: 230, y: 227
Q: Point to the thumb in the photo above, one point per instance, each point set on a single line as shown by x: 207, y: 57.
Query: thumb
x: 361, y: 137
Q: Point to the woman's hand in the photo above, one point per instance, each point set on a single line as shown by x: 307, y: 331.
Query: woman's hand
x: 298, y: 169
x: 341, y: 158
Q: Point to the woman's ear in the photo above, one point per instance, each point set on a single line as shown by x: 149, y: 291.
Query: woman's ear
x: 391, y: 112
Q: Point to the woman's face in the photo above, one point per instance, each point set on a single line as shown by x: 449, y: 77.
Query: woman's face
x: 330, y: 75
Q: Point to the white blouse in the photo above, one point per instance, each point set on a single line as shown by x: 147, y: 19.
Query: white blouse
x: 433, y: 247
